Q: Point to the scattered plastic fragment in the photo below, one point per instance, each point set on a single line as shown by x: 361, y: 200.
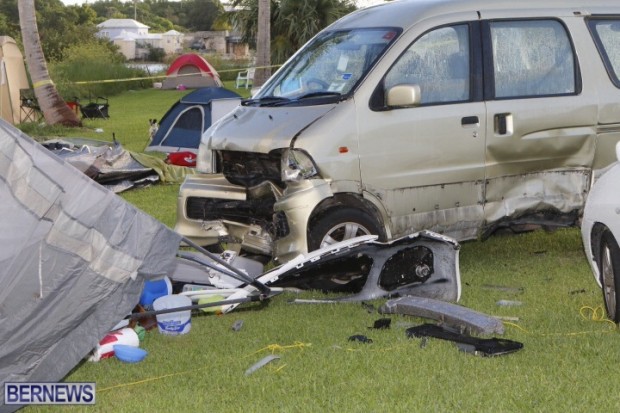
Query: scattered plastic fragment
x: 382, y: 324
x: 516, y: 290
x: 140, y: 331
x: 211, y: 299
x: 506, y: 318
x: 237, y: 325
x: 360, y: 338
x: 369, y: 307
x: 509, y: 303
x: 261, y: 363
x: 129, y: 354
x: 484, y: 346
x: 448, y: 314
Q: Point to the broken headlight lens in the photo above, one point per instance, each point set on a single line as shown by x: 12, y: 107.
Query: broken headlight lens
x: 297, y: 165
x: 205, y: 162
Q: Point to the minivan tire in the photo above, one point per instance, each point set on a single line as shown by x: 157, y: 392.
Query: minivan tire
x: 341, y: 224
x: 609, y: 270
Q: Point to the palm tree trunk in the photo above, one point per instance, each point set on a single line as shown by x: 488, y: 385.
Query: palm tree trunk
x: 53, y: 106
x: 263, y: 43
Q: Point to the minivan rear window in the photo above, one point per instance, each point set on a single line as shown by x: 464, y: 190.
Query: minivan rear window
x: 606, y: 33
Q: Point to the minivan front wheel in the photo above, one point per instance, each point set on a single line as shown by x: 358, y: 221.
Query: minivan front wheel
x: 341, y: 224
x: 609, y: 268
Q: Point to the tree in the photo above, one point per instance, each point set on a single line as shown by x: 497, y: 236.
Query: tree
x: 201, y: 14
x: 293, y: 22
x: 263, y: 43
x: 54, y: 108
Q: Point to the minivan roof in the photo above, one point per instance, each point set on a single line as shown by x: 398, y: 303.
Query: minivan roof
x: 405, y: 13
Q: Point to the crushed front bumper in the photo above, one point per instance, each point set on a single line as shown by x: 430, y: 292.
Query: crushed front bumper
x: 262, y: 219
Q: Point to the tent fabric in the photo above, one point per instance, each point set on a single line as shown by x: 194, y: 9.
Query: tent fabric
x: 74, y: 259
x: 192, y: 71
x: 183, y: 125
x: 13, y: 78
x: 109, y: 164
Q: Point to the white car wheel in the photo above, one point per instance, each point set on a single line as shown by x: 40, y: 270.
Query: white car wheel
x: 609, y: 267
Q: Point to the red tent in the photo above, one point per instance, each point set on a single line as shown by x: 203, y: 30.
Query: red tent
x: 191, y: 71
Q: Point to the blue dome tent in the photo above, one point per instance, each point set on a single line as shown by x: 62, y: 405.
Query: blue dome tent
x: 182, y: 126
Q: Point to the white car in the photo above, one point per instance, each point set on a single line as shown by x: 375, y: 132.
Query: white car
x: 600, y: 230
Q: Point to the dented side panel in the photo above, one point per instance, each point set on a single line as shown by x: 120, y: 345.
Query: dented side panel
x: 561, y: 192
x: 451, y: 209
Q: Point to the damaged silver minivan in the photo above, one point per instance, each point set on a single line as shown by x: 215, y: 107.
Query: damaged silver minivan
x: 456, y: 116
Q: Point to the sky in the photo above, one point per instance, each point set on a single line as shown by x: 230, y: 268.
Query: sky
x: 360, y: 3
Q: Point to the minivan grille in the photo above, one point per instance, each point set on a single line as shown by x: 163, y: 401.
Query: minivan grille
x: 249, y: 168
x: 247, y: 212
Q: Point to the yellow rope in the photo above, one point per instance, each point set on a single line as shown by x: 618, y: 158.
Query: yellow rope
x: 86, y: 82
x: 596, y: 314
x: 148, y: 379
x: 271, y: 347
x: 277, y: 347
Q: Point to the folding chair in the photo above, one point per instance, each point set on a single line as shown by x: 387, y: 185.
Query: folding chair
x: 245, y: 78
x: 29, y: 106
x: 97, y: 109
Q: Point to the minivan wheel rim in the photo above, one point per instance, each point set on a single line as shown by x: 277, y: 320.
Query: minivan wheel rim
x: 344, y: 231
x: 609, y: 289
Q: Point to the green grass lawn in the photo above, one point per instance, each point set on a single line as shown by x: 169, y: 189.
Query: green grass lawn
x: 568, y: 362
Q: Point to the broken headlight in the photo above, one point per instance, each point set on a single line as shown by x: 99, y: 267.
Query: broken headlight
x: 297, y: 165
x: 205, y: 162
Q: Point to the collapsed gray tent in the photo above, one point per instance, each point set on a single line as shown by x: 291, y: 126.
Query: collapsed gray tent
x: 73, y: 257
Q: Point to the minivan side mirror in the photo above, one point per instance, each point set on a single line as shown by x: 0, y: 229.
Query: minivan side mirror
x: 403, y: 96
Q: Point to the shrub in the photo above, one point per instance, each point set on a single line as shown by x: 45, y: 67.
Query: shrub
x: 94, y: 69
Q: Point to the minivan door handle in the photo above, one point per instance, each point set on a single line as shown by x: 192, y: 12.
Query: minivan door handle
x: 470, y: 120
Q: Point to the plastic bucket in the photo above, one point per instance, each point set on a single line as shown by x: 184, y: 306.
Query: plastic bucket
x: 153, y: 290
x: 173, y: 324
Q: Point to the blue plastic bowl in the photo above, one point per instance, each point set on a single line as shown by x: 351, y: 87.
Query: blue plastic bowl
x: 129, y: 354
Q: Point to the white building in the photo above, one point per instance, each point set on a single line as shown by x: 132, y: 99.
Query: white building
x: 132, y: 37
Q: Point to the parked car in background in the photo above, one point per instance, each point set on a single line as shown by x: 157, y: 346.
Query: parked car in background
x: 600, y: 230
x: 456, y: 116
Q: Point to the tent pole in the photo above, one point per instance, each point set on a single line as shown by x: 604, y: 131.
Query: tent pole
x: 260, y: 286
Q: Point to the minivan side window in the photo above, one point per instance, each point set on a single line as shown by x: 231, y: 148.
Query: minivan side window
x: 532, y: 58
x: 438, y: 62
x: 607, y: 37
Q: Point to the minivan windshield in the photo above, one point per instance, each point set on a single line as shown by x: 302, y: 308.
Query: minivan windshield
x: 328, y: 67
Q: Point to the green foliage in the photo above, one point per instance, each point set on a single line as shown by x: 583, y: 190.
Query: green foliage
x: 87, y: 64
x: 201, y: 14
x: 9, y: 19
x: 156, y: 54
x: 293, y: 23
x: 59, y: 26
x: 161, y: 16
